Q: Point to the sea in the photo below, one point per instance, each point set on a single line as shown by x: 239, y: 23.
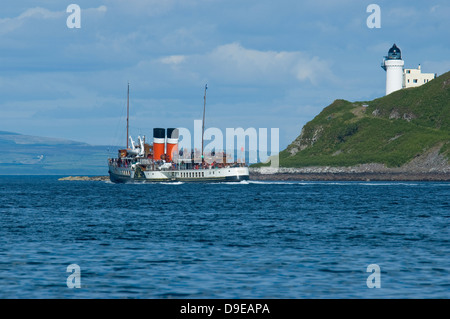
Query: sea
x: 246, y: 240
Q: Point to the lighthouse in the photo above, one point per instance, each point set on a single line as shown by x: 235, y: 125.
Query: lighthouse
x: 393, y: 65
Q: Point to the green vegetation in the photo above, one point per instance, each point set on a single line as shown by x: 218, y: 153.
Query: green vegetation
x: 390, y: 130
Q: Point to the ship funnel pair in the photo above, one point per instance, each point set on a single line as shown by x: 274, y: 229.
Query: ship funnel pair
x: 161, y: 149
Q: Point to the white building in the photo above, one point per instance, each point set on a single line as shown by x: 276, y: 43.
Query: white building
x: 397, y: 77
x: 415, y: 77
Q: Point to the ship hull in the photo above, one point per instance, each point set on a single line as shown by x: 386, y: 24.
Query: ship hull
x: 129, y: 175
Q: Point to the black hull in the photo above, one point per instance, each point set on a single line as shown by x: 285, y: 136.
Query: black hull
x: 119, y: 179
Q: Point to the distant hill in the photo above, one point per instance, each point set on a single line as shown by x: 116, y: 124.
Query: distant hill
x: 34, y: 155
x: 392, y: 130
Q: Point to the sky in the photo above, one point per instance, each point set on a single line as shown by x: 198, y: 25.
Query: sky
x: 267, y: 64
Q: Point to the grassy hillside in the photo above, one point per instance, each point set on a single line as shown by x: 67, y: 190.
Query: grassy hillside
x: 391, y: 130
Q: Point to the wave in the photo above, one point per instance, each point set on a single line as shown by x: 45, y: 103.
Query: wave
x: 342, y: 183
x: 171, y: 183
x: 274, y: 182
x: 235, y: 183
x: 247, y: 182
x: 387, y: 184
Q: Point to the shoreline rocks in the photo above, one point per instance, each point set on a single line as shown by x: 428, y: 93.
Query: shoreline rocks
x: 430, y: 166
x: 350, y: 177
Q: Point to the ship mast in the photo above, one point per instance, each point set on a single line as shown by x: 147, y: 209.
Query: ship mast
x: 203, y: 123
x: 128, y: 110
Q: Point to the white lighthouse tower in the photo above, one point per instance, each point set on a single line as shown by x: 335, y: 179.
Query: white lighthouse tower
x: 393, y: 65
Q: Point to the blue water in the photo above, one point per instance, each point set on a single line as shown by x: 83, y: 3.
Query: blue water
x: 226, y: 240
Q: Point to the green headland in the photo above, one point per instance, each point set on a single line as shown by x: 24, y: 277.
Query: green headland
x: 391, y: 130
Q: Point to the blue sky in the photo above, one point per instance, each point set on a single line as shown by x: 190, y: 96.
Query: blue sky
x: 268, y: 64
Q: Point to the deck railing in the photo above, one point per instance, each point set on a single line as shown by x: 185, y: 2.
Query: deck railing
x: 149, y: 164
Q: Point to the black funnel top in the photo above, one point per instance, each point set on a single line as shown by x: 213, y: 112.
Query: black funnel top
x: 172, y: 133
x: 159, y: 133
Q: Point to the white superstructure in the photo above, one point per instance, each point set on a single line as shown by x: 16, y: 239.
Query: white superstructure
x: 129, y: 170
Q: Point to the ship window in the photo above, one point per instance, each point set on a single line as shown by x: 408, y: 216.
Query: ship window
x: 415, y: 81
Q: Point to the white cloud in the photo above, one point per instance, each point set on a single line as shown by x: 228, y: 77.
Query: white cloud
x: 403, y: 14
x: 237, y: 64
x: 434, y: 8
x: 440, y: 11
x: 173, y: 59
x: 151, y: 7
x: 10, y: 24
x: 39, y: 13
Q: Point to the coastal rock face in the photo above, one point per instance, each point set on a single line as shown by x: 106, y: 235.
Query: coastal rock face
x: 303, y: 141
x: 394, y: 115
